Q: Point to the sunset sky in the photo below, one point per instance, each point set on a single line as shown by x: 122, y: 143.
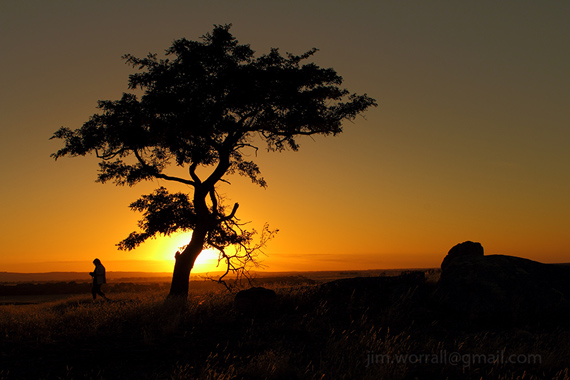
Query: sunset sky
x: 471, y: 139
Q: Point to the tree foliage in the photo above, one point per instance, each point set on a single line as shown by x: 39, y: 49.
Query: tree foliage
x: 204, y: 105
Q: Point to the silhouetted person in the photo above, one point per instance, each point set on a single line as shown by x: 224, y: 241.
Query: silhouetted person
x: 98, y: 279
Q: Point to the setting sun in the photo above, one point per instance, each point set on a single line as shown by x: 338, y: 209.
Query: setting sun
x: 167, y: 247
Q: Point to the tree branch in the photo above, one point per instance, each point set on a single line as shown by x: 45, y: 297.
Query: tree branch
x: 248, y: 145
x: 193, y: 174
x: 232, y: 214
x: 176, y: 179
x: 214, y: 200
x: 156, y: 174
x: 224, y: 152
x: 108, y: 156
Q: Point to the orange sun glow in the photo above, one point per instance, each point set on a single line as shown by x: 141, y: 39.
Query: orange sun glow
x: 207, y: 261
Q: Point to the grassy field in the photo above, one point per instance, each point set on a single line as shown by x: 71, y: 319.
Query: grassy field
x: 306, y: 335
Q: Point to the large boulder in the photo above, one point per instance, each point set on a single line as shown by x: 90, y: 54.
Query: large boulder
x: 498, y: 288
x: 467, y: 248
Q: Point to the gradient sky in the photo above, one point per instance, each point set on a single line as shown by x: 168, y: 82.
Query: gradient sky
x: 471, y: 139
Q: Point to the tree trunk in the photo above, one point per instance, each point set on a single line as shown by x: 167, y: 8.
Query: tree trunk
x: 185, y: 261
x: 184, y: 264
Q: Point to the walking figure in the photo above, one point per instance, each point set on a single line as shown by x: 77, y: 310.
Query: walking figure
x: 98, y: 279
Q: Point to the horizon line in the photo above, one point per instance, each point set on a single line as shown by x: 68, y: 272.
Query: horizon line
x: 257, y: 271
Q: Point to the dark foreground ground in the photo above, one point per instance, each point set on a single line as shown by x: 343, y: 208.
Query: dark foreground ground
x: 343, y: 330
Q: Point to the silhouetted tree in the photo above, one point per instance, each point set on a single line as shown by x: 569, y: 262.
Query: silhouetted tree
x: 204, y: 105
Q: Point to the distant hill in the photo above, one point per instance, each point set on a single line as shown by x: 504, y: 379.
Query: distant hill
x: 13, y: 277
x: 78, y: 276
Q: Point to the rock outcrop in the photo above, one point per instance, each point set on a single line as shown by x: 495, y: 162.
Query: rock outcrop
x: 467, y: 248
x: 503, y: 288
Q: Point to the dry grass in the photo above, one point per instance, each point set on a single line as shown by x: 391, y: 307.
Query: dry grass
x: 305, y: 337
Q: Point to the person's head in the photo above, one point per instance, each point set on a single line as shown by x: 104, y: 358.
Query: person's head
x: 96, y: 261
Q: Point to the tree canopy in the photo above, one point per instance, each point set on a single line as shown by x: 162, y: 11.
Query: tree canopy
x: 204, y: 105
